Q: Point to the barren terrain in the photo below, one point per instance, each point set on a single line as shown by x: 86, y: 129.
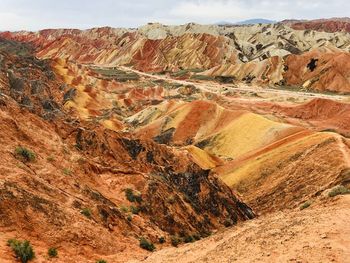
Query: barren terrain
x: 118, y: 142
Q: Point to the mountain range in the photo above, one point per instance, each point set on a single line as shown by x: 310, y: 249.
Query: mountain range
x: 188, y: 143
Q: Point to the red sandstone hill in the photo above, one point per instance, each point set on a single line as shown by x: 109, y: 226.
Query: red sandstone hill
x: 314, y: 60
x: 96, y: 156
x: 326, y: 25
x: 89, y: 191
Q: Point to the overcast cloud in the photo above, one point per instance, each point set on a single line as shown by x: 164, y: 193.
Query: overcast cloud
x: 39, y: 14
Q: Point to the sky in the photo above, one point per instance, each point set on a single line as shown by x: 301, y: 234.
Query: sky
x: 39, y: 14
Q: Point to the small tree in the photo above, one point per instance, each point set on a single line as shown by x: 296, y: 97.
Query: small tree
x: 175, y: 241
x: 132, y: 196
x: 52, y: 252
x: 86, y: 212
x: 161, y: 240
x: 145, y: 244
x: 23, y: 249
x: 24, y: 154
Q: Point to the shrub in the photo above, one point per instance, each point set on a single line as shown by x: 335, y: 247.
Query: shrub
x: 101, y: 261
x: 16, y: 84
x: 202, y: 77
x: 188, y: 239
x: 52, y: 252
x: 66, y: 171
x: 145, y: 244
x: 132, y: 196
x: 124, y: 209
x: 129, y: 218
x: 228, y: 222
x: 86, y: 212
x: 171, y: 199
x: 23, y: 249
x: 196, y: 237
x: 135, y: 210
x: 305, y: 205
x: 338, y: 190
x: 175, y: 241
x: 25, y: 154
x: 161, y: 240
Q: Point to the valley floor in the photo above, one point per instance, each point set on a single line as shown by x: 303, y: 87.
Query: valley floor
x: 319, y: 233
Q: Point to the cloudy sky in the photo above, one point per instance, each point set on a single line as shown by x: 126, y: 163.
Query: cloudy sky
x: 39, y: 14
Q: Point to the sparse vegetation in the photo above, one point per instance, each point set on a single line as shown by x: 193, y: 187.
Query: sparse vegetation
x: 196, y: 237
x: 52, y: 252
x: 188, y: 239
x: 132, y: 196
x: 67, y: 171
x: 305, y: 205
x: 145, y: 244
x: 25, y: 154
x: 161, y: 240
x: 22, y: 249
x: 228, y: 222
x: 202, y: 77
x: 124, y: 209
x: 101, y: 261
x: 117, y: 74
x: 338, y: 190
x: 185, y: 72
x: 129, y: 218
x: 86, y: 212
x: 135, y: 210
x: 171, y: 199
x: 175, y: 241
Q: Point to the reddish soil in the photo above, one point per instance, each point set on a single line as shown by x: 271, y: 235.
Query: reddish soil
x: 319, y: 233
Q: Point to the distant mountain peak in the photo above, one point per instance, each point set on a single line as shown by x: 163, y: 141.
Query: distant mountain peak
x: 248, y: 22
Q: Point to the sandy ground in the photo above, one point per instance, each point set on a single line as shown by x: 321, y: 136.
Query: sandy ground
x: 216, y: 88
x: 320, y: 233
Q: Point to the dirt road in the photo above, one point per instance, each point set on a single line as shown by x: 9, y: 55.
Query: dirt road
x: 216, y: 88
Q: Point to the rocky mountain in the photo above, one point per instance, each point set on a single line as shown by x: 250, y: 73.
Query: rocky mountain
x: 85, y: 188
x: 248, y: 22
x: 326, y: 25
x: 119, y: 142
x: 274, y: 54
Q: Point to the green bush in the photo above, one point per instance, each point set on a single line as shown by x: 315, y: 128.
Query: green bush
x: 66, y: 171
x: 124, y: 209
x: 196, y: 237
x: 22, y: 249
x: 145, y: 244
x: 25, y: 154
x: 135, y: 210
x: 161, y: 240
x: 86, y: 212
x: 188, y: 239
x: 338, y: 190
x: 175, y: 241
x: 228, y: 222
x: 101, y: 261
x: 132, y: 196
x: 52, y: 252
x: 305, y: 205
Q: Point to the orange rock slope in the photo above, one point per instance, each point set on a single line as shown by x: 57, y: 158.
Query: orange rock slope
x: 97, y: 155
x: 264, y: 54
x: 92, y: 192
